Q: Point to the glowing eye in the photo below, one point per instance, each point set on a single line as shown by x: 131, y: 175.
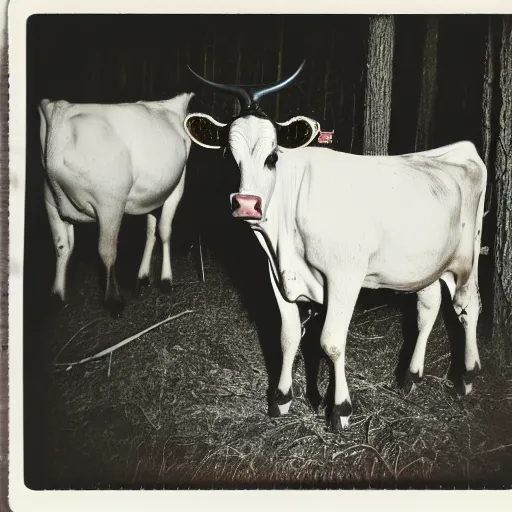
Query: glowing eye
x: 271, y: 160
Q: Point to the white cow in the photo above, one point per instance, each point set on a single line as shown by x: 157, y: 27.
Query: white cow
x: 333, y: 222
x: 103, y: 161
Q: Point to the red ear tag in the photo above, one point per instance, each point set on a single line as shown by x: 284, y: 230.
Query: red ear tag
x: 325, y: 137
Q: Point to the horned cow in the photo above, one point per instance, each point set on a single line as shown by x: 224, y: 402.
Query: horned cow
x: 333, y: 222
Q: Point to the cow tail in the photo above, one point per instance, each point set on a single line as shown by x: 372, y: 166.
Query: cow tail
x: 478, y: 229
x: 54, y: 130
x: 44, y: 120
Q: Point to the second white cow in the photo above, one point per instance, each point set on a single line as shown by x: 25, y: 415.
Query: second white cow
x: 103, y: 161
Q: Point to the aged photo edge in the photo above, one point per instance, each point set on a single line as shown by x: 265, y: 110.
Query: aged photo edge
x: 20, y: 497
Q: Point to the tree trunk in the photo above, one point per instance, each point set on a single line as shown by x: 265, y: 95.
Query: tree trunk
x: 379, y: 76
x: 424, y: 125
x: 123, y: 76
x: 178, y: 65
x: 214, y: 47
x: 145, y: 77
x: 502, y: 328
x: 487, y: 94
x: 279, y: 68
x: 205, y: 55
x: 327, y: 80
x: 236, y: 105
x: 353, y: 132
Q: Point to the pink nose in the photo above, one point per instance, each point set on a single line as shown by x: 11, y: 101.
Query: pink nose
x: 246, y: 206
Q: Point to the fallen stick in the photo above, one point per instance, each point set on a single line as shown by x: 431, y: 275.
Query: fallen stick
x: 361, y: 337
x: 377, y: 320
x: 497, y: 448
x: 374, y: 309
x: 123, y: 342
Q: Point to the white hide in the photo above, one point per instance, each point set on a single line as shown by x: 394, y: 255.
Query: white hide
x: 102, y: 161
x: 348, y: 221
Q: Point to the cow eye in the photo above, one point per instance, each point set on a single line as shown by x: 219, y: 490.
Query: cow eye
x: 271, y: 160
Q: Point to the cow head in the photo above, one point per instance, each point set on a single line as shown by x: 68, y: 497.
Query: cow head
x: 255, y: 141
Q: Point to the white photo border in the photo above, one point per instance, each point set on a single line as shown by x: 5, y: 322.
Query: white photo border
x: 22, y: 498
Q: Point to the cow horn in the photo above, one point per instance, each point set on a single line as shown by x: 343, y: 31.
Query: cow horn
x: 249, y: 95
x: 234, y: 90
x: 256, y: 95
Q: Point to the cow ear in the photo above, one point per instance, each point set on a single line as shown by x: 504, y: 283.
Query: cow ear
x: 297, y: 132
x: 206, y: 131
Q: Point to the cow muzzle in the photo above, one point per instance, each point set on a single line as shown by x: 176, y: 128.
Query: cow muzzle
x: 246, y: 207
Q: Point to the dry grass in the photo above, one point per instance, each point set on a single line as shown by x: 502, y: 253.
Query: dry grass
x: 185, y: 405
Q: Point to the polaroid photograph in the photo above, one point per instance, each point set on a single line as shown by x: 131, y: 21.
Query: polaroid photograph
x: 261, y: 251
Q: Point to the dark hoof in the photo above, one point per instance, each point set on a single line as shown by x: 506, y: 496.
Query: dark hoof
x: 55, y: 303
x: 340, y: 415
x: 469, y: 375
x: 462, y: 381
x: 409, y: 380
x: 461, y: 388
x: 165, y: 286
x: 140, y: 283
x: 277, y: 399
x: 465, y: 385
x: 115, y: 307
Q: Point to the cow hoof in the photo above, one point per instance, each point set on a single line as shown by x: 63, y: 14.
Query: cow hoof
x: 284, y: 408
x: 55, y: 303
x: 279, y: 403
x: 468, y: 378
x: 410, y: 380
x: 142, y: 282
x: 165, y: 286
x: 340, y: 416
x: 469, y: 375
x: 115, y: 307
x: 466, y: 388
x: 464, y: 384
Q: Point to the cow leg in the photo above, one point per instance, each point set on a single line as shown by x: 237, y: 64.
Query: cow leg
x: 341, y: 300
x: 110, y: 223
x: 63, y: 239
x: 291, y: 330
x: 466, y: 303
x: 143, y: 276
x: 165, y: 229
x: 429, y: 302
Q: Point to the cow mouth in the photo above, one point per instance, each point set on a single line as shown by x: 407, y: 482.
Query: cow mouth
x: 254, y: 219
x: 239, y: 216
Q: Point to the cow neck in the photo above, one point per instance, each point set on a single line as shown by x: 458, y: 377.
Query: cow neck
x: 278, y: 232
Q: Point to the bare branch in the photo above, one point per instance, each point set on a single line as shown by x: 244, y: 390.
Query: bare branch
x: 123, y: 342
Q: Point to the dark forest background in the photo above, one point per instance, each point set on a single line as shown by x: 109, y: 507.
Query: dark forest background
x: 126, y: 58
x: 111, y: 58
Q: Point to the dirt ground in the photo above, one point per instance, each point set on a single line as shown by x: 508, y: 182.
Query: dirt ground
x: 185, y: 404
